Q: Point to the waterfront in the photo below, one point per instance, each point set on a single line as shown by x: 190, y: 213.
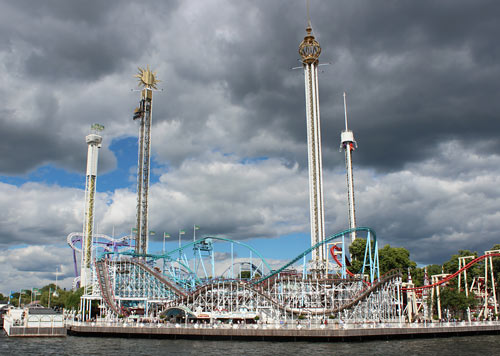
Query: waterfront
x: 467, y: 345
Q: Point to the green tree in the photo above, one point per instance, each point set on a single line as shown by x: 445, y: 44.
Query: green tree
x: 395, y: 258
x: 72, y: 300
x: 496, y: 268
x: 451, y: 266
x: 456, y: 301
x: 389, y: 258
x: 357, y: 251
x: 418, y: 274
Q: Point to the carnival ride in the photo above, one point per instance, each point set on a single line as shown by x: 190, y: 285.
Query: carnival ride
x: 193, y: 280
x: 200, y: 281
x: 487, y: 305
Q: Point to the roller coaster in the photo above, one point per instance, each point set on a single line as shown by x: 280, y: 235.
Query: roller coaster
x: 191, y: 282
x: 487, y: 305
x: 198, y: 281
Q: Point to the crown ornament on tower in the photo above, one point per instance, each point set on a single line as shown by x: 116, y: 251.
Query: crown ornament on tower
x: 309, y: 48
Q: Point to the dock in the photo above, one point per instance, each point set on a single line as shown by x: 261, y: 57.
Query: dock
x: 263, y: 332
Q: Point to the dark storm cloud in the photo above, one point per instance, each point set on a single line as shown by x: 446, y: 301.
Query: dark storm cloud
x: 55, y: 55
x: 76, y: 40
x: 418, y: 76
x: 416, y: 73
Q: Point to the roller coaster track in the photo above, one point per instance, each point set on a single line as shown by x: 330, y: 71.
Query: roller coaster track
x: 106, y: 290
x: 451, y: 276
x: 74, y: 237
x: 334, y: 256
x: 171, y: 285
x: 323, y: 242
x: 297, y: 311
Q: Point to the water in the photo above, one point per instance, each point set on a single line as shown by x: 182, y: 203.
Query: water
x: 469, y: 345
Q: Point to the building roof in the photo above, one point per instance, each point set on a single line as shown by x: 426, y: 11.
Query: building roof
x: 42, y: 311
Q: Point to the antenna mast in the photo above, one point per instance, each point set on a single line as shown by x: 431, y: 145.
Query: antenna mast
x: 348, y: 143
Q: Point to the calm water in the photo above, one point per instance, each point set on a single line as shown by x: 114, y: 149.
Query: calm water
x: 487, y: 345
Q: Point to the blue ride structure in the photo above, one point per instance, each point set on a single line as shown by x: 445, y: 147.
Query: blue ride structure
x: 217, y: 278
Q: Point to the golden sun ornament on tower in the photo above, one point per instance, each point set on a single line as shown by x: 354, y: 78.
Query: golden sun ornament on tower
x: 147, y: 78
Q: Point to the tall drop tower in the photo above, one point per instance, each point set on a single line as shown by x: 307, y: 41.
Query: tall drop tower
x: 94, y: 141
x: 147, y: 79
x: 348, y: 143
x: 310, y: 51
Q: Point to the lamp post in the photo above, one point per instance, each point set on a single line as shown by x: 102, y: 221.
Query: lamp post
x: 181, y: 232
x: 165, y: 235
x: 50, y: 291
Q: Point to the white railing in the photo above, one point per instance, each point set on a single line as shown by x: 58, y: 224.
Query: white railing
x: 302, y: 325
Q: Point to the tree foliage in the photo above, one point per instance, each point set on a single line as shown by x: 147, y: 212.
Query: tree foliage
x: 456, y: 301
x: 395, y: 257
x: 59, y: 298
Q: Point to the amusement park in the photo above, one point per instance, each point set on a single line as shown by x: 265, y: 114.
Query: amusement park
x: 338, y: 279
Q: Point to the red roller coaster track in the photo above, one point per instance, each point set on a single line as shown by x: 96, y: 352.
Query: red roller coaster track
x: 334, y: 256
x: 451, y: 276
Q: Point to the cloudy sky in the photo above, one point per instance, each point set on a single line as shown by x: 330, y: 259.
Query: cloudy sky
x: 229, y: 130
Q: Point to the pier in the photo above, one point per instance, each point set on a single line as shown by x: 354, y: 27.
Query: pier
x: 284, y: 332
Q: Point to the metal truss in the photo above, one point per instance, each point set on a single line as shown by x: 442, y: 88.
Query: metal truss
x: 124, y: 281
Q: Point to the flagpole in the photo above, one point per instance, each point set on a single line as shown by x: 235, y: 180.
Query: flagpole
x: 179, y: 263
x: 194, y: 232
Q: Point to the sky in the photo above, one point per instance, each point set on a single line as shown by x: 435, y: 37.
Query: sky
x: 229, y: 133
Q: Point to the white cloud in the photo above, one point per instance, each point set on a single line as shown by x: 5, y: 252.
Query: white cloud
x: 34, y: 267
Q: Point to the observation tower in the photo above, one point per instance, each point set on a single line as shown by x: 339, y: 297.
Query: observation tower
x: 148, y: 81
x: 348, y: 143
x: 94, y: 141
x: 310, y: 51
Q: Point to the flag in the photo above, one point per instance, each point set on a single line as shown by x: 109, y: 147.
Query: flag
x: 351, y: 146
x: 151, y: 233
x: 134, y: 230
x: 182, y: 232
x: 165, y: 235
x: 196, y: 227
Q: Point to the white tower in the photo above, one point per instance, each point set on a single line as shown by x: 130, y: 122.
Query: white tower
x: 310, y: 51
x: 348, y: 143
x: 147, y: 79
x: 94, y: 143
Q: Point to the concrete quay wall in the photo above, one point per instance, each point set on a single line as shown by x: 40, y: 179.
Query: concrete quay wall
x: 275, y: 334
